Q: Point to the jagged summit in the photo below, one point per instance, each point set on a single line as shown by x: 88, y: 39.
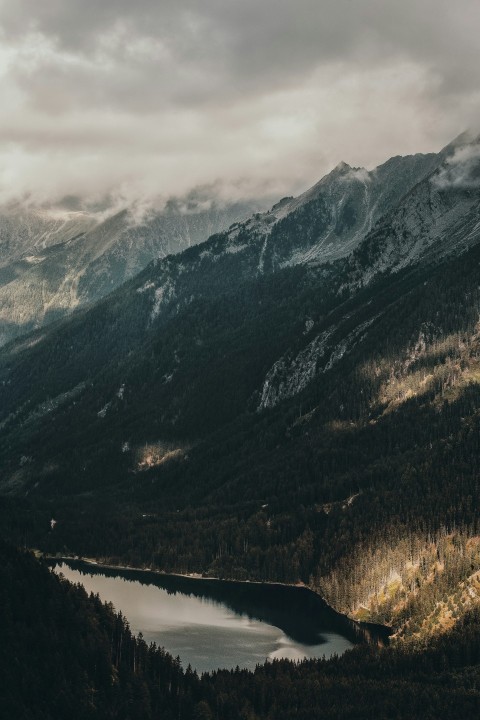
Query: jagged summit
x: 335, y: 214
x: 341, y: 167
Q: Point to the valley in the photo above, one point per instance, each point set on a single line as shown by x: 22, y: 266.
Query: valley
x: 239, y: 360
x: 294, y: 400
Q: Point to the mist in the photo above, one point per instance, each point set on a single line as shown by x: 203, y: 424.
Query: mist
x: 140, y: 104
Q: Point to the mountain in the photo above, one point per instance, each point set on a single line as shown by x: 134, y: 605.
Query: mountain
x: 330, y: 219
x: 294, y: 399
x: 54, y: 260
x: 308, y: 237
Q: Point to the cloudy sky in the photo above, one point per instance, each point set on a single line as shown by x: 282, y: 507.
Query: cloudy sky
x: 154, y: 97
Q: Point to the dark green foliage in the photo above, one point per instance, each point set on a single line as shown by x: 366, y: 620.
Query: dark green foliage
x: 64, y: 654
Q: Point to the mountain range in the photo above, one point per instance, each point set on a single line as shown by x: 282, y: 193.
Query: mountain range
x: 55, y: 259
x: 287, y: 400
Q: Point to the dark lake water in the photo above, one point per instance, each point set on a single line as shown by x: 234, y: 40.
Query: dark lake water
x: 215, y: 624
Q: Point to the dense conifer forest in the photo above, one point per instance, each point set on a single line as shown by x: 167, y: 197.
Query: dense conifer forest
x: 65, y: 654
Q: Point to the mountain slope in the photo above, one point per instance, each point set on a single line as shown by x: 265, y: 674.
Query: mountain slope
x: 221, y: 266
x: 271, y: 421
x: 53, y: 262
x: 184, y: 323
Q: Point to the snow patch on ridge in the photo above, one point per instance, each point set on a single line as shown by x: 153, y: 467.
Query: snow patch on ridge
x: 232, y: 249
x: 147, y: 286
x: 101, y: 413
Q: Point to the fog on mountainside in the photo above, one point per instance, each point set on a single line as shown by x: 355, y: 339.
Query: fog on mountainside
x: 54, y: 260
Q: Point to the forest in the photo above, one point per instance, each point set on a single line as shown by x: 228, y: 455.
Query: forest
x: 65, y: 654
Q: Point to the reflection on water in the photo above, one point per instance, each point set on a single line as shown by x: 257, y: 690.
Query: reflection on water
x: 212, y: 624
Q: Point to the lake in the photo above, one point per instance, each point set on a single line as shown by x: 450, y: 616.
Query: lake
x: 213, y: 624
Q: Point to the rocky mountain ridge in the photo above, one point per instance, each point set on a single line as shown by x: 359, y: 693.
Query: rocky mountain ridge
x: 55, y: 261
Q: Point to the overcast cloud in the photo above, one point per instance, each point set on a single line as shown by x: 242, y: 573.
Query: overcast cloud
x: 152, y: 98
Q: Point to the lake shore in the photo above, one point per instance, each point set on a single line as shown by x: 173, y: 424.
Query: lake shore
x: 370, y: 632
